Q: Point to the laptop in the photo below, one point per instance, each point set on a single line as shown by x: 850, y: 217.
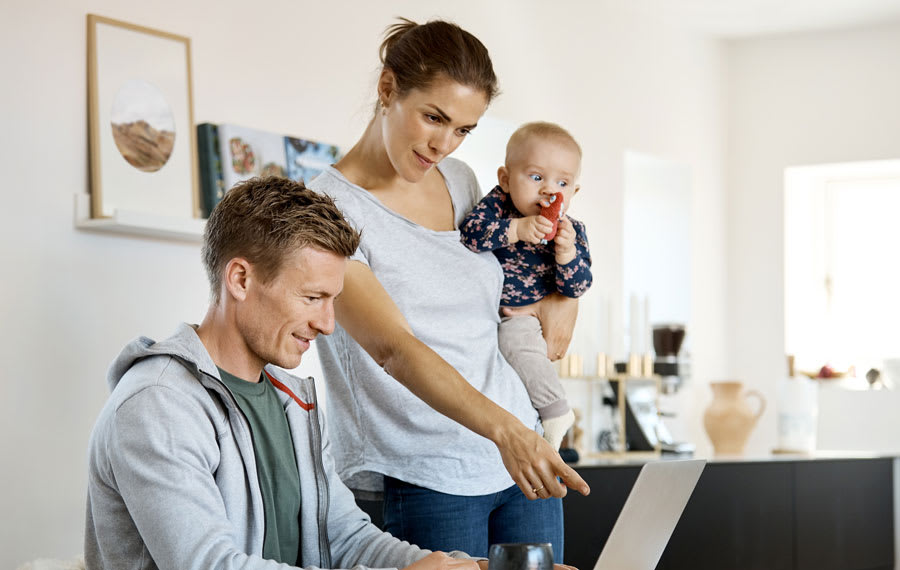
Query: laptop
x: 652, y: 510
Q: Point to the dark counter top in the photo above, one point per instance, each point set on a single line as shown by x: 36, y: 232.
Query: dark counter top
x: 640, y: 458
x: 826, y: 511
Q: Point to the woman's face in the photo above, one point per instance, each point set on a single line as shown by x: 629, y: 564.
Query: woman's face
x: 423, y: 126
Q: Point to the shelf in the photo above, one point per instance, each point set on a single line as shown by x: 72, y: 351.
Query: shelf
x: 594, y: 419
x: 138, y: 223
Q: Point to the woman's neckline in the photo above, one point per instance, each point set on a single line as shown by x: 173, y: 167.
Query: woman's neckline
x: 374, y: 199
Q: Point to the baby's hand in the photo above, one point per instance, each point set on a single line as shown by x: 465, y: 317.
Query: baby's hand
x: 531, y: 229
x: 565, y: 242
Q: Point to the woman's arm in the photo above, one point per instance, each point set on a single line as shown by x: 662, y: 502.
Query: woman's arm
x: 370, y: 316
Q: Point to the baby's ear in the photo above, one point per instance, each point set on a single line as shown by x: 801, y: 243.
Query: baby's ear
x: 577, y: 188
x: 503, y: 178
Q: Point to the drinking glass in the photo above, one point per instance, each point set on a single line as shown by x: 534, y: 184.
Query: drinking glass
x: 521, y: 556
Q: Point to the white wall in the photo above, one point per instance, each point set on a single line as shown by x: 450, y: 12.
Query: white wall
x: 793, y: 100
x: 71, y: 299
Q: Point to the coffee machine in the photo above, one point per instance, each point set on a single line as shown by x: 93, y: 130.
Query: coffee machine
x: 644, y: 426
x: 667, y: 341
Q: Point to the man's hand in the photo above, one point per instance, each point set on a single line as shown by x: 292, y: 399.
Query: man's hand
x: 564, y: 242
x: 535, y: 465
x: 440, y: 561
x: 531, y: 229
x: 557, y: 314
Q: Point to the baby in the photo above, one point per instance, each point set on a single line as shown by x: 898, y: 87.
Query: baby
x: 542, y: 165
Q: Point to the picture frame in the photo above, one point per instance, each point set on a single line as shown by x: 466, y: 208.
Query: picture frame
x: 143, y: 152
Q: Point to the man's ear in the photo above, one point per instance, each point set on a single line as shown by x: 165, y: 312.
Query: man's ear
x: 238, y: 276
x: 503, y: 178
x: 387, y: 88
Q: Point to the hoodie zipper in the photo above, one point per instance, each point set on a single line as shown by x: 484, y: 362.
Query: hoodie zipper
x: 321, y: 484
x: 315, y: 434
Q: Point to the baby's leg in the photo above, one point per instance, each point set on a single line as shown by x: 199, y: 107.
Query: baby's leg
x: 523, y: 346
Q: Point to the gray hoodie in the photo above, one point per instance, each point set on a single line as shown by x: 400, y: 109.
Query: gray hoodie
x: 172, y: 474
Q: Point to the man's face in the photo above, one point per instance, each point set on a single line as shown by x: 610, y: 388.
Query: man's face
x: 278, y: 319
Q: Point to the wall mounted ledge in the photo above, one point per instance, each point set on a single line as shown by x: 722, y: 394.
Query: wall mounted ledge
x: 138, y: 223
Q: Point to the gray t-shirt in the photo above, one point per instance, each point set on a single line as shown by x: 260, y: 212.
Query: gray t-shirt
x: 450, y: 297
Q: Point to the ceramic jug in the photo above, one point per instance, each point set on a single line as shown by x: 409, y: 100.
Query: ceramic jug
x: 729, y: 419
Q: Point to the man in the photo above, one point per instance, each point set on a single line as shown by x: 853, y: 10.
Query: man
x: 207, y: 456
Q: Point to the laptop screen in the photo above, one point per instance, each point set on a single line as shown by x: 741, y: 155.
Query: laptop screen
x: 652, y: 510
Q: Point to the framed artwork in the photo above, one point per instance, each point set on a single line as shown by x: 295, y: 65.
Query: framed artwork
x: 142, y: 148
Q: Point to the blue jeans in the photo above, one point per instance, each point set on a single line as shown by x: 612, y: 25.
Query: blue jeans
x: 438, y: 521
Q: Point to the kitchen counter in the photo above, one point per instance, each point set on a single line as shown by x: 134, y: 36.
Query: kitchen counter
x: 831, y: 510
x: 640, y: 458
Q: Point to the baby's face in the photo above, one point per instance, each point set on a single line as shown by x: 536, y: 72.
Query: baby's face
x: 537, y: 170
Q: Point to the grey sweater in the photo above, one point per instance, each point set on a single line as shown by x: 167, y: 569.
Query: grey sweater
x: 172, y: 475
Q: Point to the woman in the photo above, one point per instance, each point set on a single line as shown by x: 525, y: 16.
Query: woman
x: 420, y: 308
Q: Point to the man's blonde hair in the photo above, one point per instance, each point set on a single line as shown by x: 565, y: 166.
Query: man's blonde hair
x: 540, y: 129
x: 265, y: 219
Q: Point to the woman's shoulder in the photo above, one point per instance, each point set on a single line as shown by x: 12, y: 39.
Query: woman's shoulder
x: 462, y: 183
x: 457, y: 171
x: 331, y: 182
x: 348, y: 197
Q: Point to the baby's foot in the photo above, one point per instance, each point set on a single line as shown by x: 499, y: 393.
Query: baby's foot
x: 556, y: 428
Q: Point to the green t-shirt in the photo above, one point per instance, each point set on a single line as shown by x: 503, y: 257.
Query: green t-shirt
x: 276, y: 465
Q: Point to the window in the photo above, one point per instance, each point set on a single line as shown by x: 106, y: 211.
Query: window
x: 842, y: 265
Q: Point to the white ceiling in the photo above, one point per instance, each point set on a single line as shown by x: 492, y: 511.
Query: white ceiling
x: 745, y: 18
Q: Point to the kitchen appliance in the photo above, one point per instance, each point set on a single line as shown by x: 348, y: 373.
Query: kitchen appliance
x: 644, y: 428
x: 643, y: 421
x: 667, y: 341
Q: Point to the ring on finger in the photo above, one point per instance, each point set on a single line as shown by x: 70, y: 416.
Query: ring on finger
x: 535, y: 491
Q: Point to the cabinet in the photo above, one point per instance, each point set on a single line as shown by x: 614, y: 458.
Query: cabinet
x: 816, y: 514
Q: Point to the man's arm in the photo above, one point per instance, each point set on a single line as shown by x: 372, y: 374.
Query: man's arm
x: 370, y: 316
x: 165, y: 476
x: 163, y: 454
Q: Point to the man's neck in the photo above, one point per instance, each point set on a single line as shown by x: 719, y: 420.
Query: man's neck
x: 226, y: 346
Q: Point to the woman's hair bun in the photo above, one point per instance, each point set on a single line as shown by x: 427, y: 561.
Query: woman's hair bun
x: 418, y: 53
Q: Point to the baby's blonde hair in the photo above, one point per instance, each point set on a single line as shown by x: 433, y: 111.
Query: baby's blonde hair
x: 540, y: 129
